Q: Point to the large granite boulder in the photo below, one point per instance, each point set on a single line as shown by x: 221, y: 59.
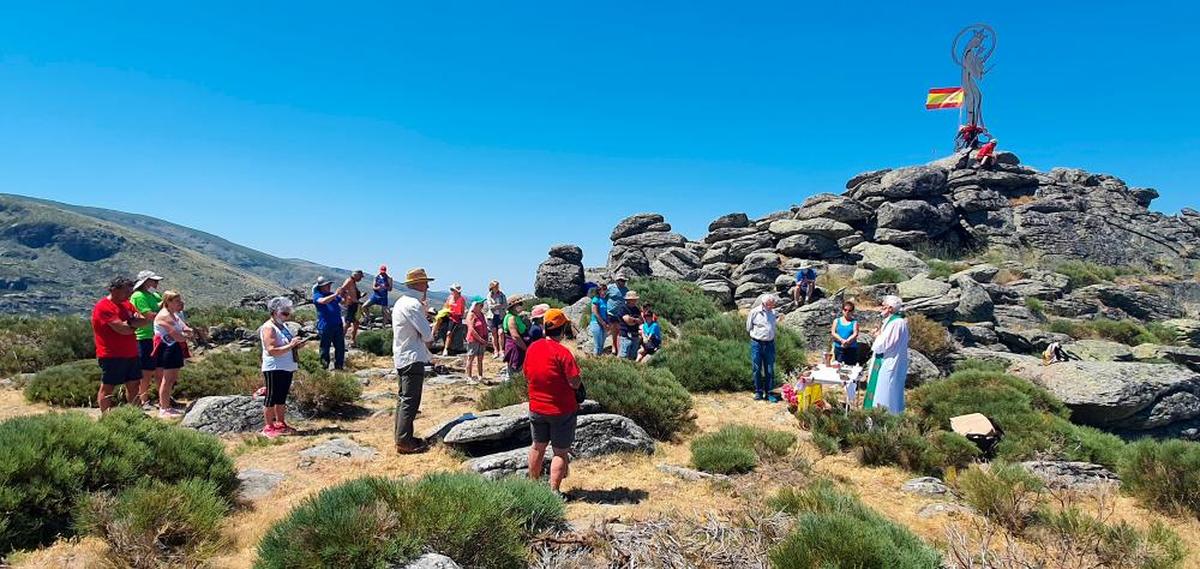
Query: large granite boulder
x: 805, y: 246
x: 1119, y: 395
x: 920, y: 369
x: 1132, y: 301
x: 1100, y: 351
x: 1187, y: 330
x: 675, y: 263
x: 503, y: 427
x: 225, y: 414
x: 815, y: 226
x: 729, y: 220
x: 837, y: 208
x: 901, y: 183
x: 595, y: 435
x: 877, y: 256
x: 928, y: 217
x: 974, y: 302
x: 1183, y: 355
x: 561, y: 276
x: 634, y: 224
x: 812, y: 322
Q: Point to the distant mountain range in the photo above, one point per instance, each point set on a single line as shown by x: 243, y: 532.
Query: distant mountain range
x: 57, y: 257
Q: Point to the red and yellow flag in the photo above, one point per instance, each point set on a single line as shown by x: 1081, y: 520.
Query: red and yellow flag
x: 944, y: 98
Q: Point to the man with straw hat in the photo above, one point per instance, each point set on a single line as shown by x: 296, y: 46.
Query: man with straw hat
x: 411, y: 336
x: 329, y: 323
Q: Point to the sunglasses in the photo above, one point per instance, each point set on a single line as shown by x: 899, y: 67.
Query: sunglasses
x: 285, y: 313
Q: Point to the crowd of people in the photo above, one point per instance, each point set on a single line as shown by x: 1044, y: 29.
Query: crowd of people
x: 142, y: 340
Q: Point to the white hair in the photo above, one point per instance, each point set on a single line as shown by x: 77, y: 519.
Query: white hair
x: 279, y: 304
x: 763, y: 298
x: 893, y: 301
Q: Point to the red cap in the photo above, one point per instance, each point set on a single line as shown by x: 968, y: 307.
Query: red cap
x: 383, y: 268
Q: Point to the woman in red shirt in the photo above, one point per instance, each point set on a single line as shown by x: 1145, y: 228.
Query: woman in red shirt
x: 553, y: 378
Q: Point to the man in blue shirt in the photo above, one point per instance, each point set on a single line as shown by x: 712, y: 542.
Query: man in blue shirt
x: 329, y: 323
x: 615, y: 295
x: 806, y: 284
x: 379, y: 293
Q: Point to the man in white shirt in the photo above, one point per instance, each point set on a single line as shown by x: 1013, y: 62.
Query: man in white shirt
x: 760, y: 324
x: 411, y: 336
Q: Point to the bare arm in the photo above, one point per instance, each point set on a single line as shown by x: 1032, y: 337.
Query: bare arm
x: 833, y: 331
x: 853, y: 335
x: 269, y: 335
x: 165, y: 320
x: 515, y: 334
x: 126, y: 329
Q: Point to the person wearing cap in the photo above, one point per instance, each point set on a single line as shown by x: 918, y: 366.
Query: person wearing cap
x: 477, y: 337
x: 629, y: 322
x: 411, y: 336
x: 147, y: 300
x: 456, y: 307
x: 598, y: 323
x: 537, y: 316
x: 379, y: 293
x: 889, y: 364
x: 515, y: 335
x: 352, y: 300
x: 497, y: 306
x: 329, y: 323
x: 806, y: 283
x: 615, y: 297
x: 761, y: 326
x: 553, y: 377
x: 114, y: 326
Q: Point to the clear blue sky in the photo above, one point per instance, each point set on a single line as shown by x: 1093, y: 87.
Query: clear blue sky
x: 469, y: 137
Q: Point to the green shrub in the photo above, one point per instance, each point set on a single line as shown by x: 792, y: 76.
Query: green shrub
x: 50, y: 462
x: 553, y: 302
x: 1164, y: 475
x: 1083, y: 273
x: 66, y: 385
x: 929, y: 337
x: 156, y: 524
x: 943, y: 269
x: 650, y: 396
x: 885, y: 275
x: 738, y: 448
x: 899, y: 441
x: 509, y: 392
x: 377, y: 342
x: 1088, y: 444
x: 1128, y: 332
x: 714, y: 354
x: 976, y: 364
x: 1036, y: 306
x: 677, y: 301
x: 1005, y: 493
x: 228, y: 316
x: 29, y: 344
x: 826, y: 444
x: 324, y: 392
x: 1087, y: 541
x: 379, y: 522
x: 220, y: 373
x: 835, y: 529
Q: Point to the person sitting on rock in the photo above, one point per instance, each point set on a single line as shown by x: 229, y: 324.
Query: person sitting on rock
x: 806, y: 284
x: 985, y: 158
x: 629, y: 322
x: 651, y: 334
x: 553, y: 377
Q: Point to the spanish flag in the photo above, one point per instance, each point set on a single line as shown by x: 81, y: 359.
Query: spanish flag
x: 944, y: 98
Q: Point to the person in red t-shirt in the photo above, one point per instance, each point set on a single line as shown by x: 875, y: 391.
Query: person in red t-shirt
x: 553, y: 378
x: 114, y: 322
x: 457, y: 305
x: 986, y: 156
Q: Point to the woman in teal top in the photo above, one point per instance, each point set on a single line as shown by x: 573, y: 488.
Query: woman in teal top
x: 845, y: 336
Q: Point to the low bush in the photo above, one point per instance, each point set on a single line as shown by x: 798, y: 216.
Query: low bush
x: 1036, y: 306
x: 891, y: 440
x: 376, y: 342
x: 929, y: 337
x: 1129, y: 332
x: 324, y: 393
x: 536, y: 300
x: 885, y: 275
x: 228, y: 316
x: 1083, y: 540
x: 48, y: 463
x: 943, y: 269
x: 650, y: 396
x: 1083, y: 273
x: 379, y: 522
x: 738, y: 448
x: 1164, y: 475
x: 67, y: 385
x: 509, y: 392
x: 1004, y: 493
x: 714, y: 354
x: 835, y: 529
x: 29, y: 344
x: 977, y: 364
x: 220, y: 373
x: 677, y: 301
x: 156, y: 524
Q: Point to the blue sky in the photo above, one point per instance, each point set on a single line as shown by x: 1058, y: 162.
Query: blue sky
x: 469, y: 137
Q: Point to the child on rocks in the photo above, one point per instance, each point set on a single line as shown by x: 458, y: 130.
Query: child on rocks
x: 477, y: 338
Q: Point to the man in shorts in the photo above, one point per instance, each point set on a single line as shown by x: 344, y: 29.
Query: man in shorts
x: 379, y: 293
x: 352, y: 299
x: 114, y: 324
x: 553, y: 377
x: 147, y: 300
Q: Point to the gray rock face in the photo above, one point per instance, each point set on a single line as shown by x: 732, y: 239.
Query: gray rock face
x: 652, y: 239
x: 560, y: 278
x: 595, y: 435
x: 567, y: 252
x: 728, y: 233
x: 1136, y: 303
x: 255, y: 483
x: 674, y: 263
x: 1187, y: 330
x: 812, y: 322
x: 430, y: 561
x: 729, y: 220
x: 974, y: 302
x: 806, y: 246
x: 629, y: 260
x: 1061, y: 474
x: 1120, y: 395
x: 922, y: 286
x: 926, y: 485
x: 920, y: 215
x: 815, y: 226
x: 920, y: 369
x: 635, y: 224
x: 336, y: 449
x: 1182, y: 355
x: 758, y: 262
x: 912, y: 182
x: 837, y: 208
x: 224, y: 414
x: 876, y: 256
x: 1100, y: 351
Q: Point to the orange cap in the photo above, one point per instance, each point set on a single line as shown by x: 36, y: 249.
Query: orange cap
x: 554, y: 319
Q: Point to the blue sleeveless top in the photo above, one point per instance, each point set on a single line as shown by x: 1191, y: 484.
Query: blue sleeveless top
x: 845, y: 329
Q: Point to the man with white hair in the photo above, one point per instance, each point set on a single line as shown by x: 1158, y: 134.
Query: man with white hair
x: 889, y: 366
x: 760, y: 323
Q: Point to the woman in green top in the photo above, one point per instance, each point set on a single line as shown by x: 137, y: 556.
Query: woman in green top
x: 147, y: 300
x: 514, y: 341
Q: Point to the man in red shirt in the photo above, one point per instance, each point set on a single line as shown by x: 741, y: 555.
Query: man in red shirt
x: 986, y: 156
x: 553, y: 378
x: 114, y: 322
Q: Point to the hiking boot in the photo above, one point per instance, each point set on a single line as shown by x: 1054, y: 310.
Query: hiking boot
x: 758, y: 396
x: 412, y: 446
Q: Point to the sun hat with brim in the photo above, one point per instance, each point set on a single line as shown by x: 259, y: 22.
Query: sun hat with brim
x: 416, y: 275
x: 554, y: 319
x: 322, y: 281
x: 456, y: 287
x: 632, y: 295
x: 144, y: 276
x: 516, y: 300
x: 539, y: 310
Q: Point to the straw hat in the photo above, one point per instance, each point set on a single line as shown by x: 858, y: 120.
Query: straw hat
x: 416, y: 275
x: 631, y: 295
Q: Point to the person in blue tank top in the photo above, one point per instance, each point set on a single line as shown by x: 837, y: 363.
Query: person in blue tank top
x: 845, y: 336
x: 379, y: 293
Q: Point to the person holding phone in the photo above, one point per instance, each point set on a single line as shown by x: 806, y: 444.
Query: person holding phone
x: 280, y: 359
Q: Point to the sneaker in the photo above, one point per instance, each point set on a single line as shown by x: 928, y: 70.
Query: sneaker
x: 269, y: 431
x: 772, y: 398
x: 286, y: 429
x: 758, y: 396
x: 148, y: 406
x: 169, y: 413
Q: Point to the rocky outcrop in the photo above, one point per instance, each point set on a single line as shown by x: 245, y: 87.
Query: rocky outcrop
x: 225, y: 414
x: 561, y: 275
x: 254, y: 483
x: 595, y: 435
x: 336, y: 449
x: 1064, y: 475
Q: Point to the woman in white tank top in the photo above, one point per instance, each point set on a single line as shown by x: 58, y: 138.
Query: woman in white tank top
x: 171, y: 334
x: 279, y: 363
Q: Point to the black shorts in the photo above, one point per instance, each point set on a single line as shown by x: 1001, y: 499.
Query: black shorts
x: 146, y: 354
x: 170, y: 357
x: 496, y: 321
x: 558, y: 430
x: 846, y: 354
x: 119, y: 371
x: 352, y: 312
x: 278, y: 383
